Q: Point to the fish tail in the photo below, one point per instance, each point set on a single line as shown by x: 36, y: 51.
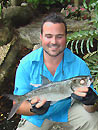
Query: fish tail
x: 18, y: 101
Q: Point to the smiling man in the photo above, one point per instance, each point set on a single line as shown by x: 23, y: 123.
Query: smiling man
x: 56, y: 62
x: 53, y: 38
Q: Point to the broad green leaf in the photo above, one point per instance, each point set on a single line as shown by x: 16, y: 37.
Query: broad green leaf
x: 84, y: 4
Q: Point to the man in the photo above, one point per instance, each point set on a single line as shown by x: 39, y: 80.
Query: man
x: 56, y: 62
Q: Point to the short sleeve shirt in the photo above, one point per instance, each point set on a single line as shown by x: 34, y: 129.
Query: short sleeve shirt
x: 28, y: 78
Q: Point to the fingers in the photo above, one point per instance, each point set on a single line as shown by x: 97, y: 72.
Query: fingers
x: 35, y: 100
x: 40, y: 102
x: 82, y: 91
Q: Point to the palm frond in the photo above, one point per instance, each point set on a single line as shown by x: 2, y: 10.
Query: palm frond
x: 76, y: 46
x: 92, y: 62
x: 88, y: 45
x: 83, y: 37
x: 82, y: 46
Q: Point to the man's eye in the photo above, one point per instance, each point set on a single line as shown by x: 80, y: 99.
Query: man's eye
x: 48, y: 36
x: 59, y: 36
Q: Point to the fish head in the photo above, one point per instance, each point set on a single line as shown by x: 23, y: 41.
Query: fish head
x: 81, y: 81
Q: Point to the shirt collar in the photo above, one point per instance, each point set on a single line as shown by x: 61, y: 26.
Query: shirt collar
x: 37, y: 55
x: 68, y: 55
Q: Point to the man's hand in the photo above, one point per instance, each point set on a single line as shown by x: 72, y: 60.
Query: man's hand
x: 39, y: 107
x: 85, y: 95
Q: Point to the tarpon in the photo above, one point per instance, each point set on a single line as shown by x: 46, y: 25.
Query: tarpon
x: 51, y: 91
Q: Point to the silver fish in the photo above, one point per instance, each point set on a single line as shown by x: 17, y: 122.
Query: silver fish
x: 52, y: 91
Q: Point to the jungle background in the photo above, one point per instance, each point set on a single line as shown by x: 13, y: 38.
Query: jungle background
x: 20, y: 22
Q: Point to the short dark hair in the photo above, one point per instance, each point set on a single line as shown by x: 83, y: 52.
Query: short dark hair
x: 54, y: 18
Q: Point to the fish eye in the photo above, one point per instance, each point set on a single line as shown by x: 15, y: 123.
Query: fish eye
x: 82, y: 81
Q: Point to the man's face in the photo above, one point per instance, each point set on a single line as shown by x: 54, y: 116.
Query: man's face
x: 53, y: 38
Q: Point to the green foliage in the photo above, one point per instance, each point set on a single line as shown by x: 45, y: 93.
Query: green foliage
x: 80, y: 38
x: 93, y: 6
x: 92, y: 62
x: 76, y: 12
x: 47, y: 3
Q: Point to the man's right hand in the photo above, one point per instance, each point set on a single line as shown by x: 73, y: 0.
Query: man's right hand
x: 38, y: 106
x: 39, y: 103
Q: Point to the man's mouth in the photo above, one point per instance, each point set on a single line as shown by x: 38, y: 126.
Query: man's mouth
x: 53, y: 46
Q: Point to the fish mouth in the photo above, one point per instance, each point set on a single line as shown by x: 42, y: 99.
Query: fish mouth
x: 84, y: 81
x: 90, y: 81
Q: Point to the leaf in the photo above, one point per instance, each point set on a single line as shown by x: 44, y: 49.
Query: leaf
x: 95, y: 67
x: 84, y: 4
x: 67, y: 43
x: 76, y: 46
x: 91, y: 42
x: 82, y: 46
x: 94, y: 71
x: 87, y: 44
x: 72, y: 45
x: 92, y: 62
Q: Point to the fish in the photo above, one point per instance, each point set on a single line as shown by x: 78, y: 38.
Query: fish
x: 51, y: 91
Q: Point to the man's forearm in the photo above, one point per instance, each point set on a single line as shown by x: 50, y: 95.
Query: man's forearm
x: 96, y: 106
x: 24, y: 109
x: 91, y: 108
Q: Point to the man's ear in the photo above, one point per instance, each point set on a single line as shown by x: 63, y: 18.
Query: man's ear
x: 40, y: 36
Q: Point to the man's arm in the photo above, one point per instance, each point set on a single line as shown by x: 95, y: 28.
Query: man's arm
x: 25, y: 107
x: 88, y: 97
x: 91, y: 108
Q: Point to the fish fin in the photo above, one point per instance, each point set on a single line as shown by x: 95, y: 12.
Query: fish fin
x: 18, y: 101
x: 11, y: 97
x: 45, y: 80
x: 13, y: 110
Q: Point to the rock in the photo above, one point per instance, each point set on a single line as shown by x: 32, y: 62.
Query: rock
x: 3, y: 52
x: 29, y: 34
x: 5, y: 35
x: 15, y: 2
x: 17, y: 16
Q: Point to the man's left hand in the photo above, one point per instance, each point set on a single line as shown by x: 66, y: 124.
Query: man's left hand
x: 85, y: 95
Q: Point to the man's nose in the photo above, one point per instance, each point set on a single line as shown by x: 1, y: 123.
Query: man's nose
x: 53, y: 40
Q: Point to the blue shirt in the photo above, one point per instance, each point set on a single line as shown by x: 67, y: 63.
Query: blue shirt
x: 28, y: 74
